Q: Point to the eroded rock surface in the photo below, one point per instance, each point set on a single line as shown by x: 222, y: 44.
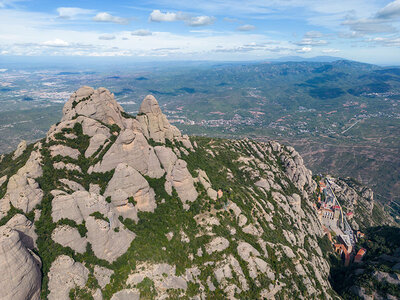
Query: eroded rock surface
x: 20, y: 149
x: 95, y: 104
x: 20, y: 273
x: 23, y: 191
x: 68, y: 236
x: 65, y: 274
x: 126, y: 183
x: 154, y: 123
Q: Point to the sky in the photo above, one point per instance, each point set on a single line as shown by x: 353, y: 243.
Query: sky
x: 225, y: 30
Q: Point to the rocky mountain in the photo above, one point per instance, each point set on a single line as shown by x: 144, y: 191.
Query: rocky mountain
x: 358, y: 202
x: 114, y: 206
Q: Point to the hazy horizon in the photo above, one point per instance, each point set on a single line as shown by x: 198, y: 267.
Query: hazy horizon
x: 229, y: 30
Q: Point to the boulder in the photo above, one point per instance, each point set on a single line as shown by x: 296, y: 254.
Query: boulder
x: 22, y: 189
x: 182, y: 181
x: 20, y: 149
x: 103, y: 275
x: 127, y: 294
x: 133, y: 149
x: 154, y: 123
x: 20, y: 273
x: 96, y: 142
x: 68, y: 236
x: 64, y: 275
x: 127, y: 182
x: 95, y: 104
x: 25, y: 228
x: 78, y: 206
x: 64, y: 151
x: 107, y: 243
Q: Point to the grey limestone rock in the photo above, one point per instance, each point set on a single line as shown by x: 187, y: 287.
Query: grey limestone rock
x: 107, y: 243
x: 127, y: 182
x: 68, y: 236
x: 64, y: 151
x: 127, y: 294
x: 133, y: 149
x: 64, y: 275
x: 96, y: 104
x: 20, y: 274
x: 103, y: 275
x: 23, y: 191
x: 20, y: 149
x: 25, y: 228
x: 154, y: 123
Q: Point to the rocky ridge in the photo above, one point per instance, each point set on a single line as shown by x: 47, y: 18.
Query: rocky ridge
x: 359, y: 200
x: 124, y: 206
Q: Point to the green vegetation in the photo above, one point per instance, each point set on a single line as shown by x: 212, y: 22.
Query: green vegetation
x: 382, y: 240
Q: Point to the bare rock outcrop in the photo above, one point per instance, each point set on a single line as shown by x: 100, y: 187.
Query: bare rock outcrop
x: 178, y: 176
x: 109, y: 239
x: 218, y: 244
x: 96, y: 142
x: 203, y: 178
x: 64, y: 151
x: 127, y: 294
x: 20, y: 149
x: 127, y: 182
x: 294, y: 167
x: 183, y: 182
x: 25, y: 228
x: 20, y: 274
x: 133, y: 149
x: 68, y: 236
x: 107, y: 243
x: 65, y: 274
x: 154, y: 123
x: 96, y: 104
x: 23, y: 191
x: 78, y: 206
x: 103, y: 275
x: 3, y: 179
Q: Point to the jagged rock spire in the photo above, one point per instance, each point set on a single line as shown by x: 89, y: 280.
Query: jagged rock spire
x: 150, y: 106
x: 154, y: 123
x: 96, y: 104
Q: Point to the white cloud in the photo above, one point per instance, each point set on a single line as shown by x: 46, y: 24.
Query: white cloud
x: 158, y: 16
x: 311, y: 42
x: 141, y: 32
x: 330, y: 51
x: 384, y: 41
x: 5, y: 3
x: 56, y: 43
x: 72, y: 12
x: 246, y: 27
x: 392, y: 10
x: 304, y: 50
x: 313, y: 34
x: 107, y: 37
x: 369, y: 26
x: 230, y: 20
x: 200, y: 21
x: 108, y: 18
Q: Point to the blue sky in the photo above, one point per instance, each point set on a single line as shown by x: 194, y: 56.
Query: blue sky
x: 364, y: 30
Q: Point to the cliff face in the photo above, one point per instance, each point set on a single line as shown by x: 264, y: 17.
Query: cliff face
x: 359, y: 200
x: 125, y: 207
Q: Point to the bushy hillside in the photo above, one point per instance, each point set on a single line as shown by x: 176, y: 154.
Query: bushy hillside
x: 125, y: 207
